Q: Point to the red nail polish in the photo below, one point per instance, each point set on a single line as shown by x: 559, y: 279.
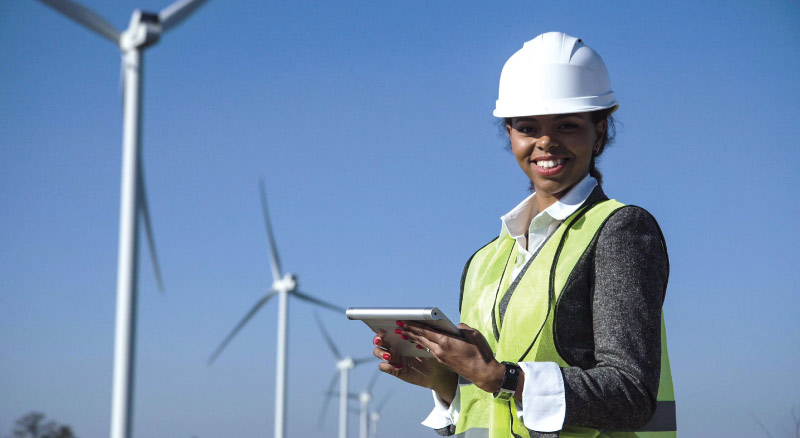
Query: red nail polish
x: 405, y: 338
x: 398, y: 331
x: 386, y: 356
x: 420, y: 347
x: 397, y: 365
x: 377, y: 341
x: 400, y: 323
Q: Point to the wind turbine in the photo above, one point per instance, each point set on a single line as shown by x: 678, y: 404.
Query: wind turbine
x: 283, y: 285
x: 364, y: 397
x: 368, y: 420
x: 343, y: 364
x: 144, y: 30
x: 375, y: 416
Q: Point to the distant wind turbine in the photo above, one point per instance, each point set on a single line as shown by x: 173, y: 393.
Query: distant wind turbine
x: 144, y: 30
x: 368, y: 420
x: 375, y: 416
x: 283, y: 285
x: 343, y: 364
x: 364, y: 397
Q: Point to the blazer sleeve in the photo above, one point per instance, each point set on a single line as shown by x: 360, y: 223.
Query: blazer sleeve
x: 630, y: 272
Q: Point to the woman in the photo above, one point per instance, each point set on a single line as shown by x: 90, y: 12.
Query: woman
x: 561, y: 314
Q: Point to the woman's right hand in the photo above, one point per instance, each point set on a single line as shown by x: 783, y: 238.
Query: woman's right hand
x: 421, y: 371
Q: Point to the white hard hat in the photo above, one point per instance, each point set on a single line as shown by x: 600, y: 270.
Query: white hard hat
x: 554, y: 73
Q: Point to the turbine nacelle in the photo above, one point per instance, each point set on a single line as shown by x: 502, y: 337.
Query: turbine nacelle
x: 143, y: 31
x: 286, y: 284
x: 345, y: 364
x: 365, y: 397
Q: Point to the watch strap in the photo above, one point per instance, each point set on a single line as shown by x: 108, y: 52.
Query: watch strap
x: 508, y: 387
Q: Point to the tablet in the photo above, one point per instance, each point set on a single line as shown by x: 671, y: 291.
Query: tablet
x: 384, y: 318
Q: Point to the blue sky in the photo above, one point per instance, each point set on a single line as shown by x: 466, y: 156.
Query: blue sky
x: 371, y: 125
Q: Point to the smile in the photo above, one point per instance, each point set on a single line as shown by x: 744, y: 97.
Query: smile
x: 550, y: 166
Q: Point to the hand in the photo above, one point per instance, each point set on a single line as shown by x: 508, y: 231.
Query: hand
x: 421, y: 371
x: 469, y: 356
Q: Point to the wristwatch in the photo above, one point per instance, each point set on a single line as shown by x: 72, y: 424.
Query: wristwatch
x: 509, y: 385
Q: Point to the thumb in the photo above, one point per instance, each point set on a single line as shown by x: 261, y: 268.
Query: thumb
x: 466, y: 331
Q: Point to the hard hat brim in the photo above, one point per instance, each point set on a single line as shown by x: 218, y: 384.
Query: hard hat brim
x: 560, y: 106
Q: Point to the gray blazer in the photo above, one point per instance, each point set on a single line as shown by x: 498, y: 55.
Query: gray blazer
x: 608, y: 323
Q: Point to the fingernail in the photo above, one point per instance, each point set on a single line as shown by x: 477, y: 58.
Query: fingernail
x: 377, y: 341
x: 398, y: 331
x: 420, y: 347
x: 405, y: 338
x: 397, y: 366
x: 400, y: 323
x: 386, y: 356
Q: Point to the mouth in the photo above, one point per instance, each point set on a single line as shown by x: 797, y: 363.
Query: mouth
x: 548, y: 165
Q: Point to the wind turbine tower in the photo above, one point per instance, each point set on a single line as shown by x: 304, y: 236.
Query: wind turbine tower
x: 364, y: 397
x: 144, y: 30
x: 283, y: 285
x: 375, y: 416
x: 343, y: 364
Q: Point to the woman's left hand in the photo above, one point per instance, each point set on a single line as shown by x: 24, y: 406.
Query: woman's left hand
x: 469, y: 356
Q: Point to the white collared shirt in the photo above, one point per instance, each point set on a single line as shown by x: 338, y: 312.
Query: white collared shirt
x: 543, y: 397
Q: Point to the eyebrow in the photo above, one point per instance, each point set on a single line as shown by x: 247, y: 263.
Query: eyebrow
x: 565, y: 116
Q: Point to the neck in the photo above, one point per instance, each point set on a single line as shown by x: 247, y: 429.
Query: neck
x: 544, y: 200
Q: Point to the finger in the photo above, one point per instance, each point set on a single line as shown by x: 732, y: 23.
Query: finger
x: 379, y: 337
x: 389, y: 368
x: 403, y: 334
x: 417, y: 364
x: 423, y: 336
x: 422, y: 330
x: 382, y: 354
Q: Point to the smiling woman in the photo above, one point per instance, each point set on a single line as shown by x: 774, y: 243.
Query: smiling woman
x: 561, y: 313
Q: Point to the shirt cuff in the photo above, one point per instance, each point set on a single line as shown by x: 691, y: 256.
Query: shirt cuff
x: 443, y: 415
x: 543, y: 399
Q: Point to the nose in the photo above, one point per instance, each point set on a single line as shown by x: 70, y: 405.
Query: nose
x: 545, y: 143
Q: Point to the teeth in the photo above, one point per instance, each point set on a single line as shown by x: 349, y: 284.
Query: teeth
x: 547, y: 164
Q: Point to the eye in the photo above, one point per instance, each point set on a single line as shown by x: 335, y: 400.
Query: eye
x: 526, y: 129
x: 568, y: 126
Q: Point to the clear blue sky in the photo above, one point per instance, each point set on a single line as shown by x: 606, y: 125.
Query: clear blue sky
x: 371, y: 125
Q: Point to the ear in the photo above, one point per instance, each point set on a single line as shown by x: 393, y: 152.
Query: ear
x: 600, y: 131
x: 508, y: 128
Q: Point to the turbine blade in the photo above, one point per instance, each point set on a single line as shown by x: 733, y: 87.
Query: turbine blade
x: 175, y: 13
x: 363, y: 360
x: 86, y: 17
x: 327, y: 336
x: 148, y: 228
x: 350, y: 395
x: 317, y: 301
x: 274, y: 261
x: 241, y: 324
x: 372, y: 380
x: 327, y: 400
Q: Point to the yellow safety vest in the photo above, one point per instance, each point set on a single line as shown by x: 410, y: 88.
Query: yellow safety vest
x: 488, y: 276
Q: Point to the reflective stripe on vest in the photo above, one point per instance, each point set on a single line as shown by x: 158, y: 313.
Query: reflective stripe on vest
x: 526, y: 329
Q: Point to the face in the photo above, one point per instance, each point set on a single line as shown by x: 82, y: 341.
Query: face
x: 554, y: 150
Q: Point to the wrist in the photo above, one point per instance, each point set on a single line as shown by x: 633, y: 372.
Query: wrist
x: 493, y: 378
x: 446, y: 388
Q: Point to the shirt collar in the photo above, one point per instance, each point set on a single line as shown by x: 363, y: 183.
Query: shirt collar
x: 515, y: 223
